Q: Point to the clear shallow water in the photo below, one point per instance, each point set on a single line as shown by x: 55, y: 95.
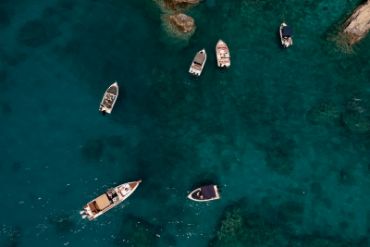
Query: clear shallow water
x: 283, y: 132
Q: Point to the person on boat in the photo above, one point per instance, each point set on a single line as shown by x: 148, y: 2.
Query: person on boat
x: 199, y: 195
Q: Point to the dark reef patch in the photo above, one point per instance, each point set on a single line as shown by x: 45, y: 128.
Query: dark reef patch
x: 36, y: 33
x: 13, y: 58
x: 4, y: 82
x: 5, y: 108
x: 279, y: 153
x: 291, y: 211
x: 356, y: 116
x: 279, y: 160
x: 5, y: 15
x: 324, y: 112
x: 319, y: 196
x: 137, y: 232
x: 72, y: 47
x: 346, y: 176
x: 62, y: 223
x: 239, y: 226
x: 93, y: 150
x: 16, y: 166
x: 10, y: 236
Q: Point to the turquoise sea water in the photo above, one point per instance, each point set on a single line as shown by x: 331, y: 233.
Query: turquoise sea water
x: 285, y: 133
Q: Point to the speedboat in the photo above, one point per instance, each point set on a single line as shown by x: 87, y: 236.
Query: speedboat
x: 198, y: 63
x: 222, y: 54
x: 109, y: 99
x: 205, y: 193
x: 111, y: 198
x: 286, y: 33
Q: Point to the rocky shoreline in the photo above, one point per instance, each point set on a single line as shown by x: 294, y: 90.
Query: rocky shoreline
x: 358, y: 24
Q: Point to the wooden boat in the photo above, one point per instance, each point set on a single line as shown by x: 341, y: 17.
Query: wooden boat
x: 111, y: 198
x: 286, y: 33
x: 198, y: 63
x: 205, y: 193
x: 222, y: 54
x: 109, y: 99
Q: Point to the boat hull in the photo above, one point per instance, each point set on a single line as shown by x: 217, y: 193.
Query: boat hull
x: 222, y: 55
x: 285, y: 42
x: 198, y: 63
x: 110, y: 199
x: 193, y: 195
x: 109, y: 98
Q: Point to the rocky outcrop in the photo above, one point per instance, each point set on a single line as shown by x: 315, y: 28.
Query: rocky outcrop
x: 180, y: 4
x: 175, y: 22
x: 182, y: 23
x: 358, y: 25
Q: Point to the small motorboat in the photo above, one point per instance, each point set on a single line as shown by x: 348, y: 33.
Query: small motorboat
x: 286, y: 33
x: 198, y: 63
x: 111, y: 198
x: 109, y: 99
x: 205, y: 193
x: 222, y: 54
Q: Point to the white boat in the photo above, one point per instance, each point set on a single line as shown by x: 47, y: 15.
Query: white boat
x: 109, y: 99
x: 205, y: 193
x: 198, y: 63
x: 286, y: 33
x: 111, y: 198
x: 222, y: 54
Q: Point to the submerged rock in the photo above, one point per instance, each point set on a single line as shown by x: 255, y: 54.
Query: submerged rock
x: 182, y: 23
x: 240, y: 229
x: 358, y: 25
x: 239, y: 226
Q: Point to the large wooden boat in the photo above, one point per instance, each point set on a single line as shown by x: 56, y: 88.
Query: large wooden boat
x: 111, y: 198
x: 198, y: 63
x: 286, y: 33
x: 222, y: 54
x: 205, y: 193
x: 109, y: 99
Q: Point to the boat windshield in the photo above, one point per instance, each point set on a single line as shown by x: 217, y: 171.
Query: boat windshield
x: 111, y: 194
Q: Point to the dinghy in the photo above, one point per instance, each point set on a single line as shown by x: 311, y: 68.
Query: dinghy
x: 205, y: 193
x: 111, y: 198
x: 286, y: 33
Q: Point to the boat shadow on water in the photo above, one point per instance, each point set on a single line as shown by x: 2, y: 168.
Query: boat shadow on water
x: 205, y: 179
